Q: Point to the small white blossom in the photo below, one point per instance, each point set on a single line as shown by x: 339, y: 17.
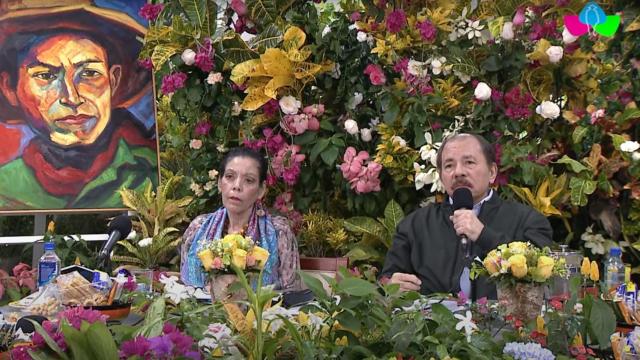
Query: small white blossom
x: 567, y: 37
x: 417, y: 68
x: 595, y: 242
x: 209, y: 185
x: 399, y: 141
x: 555, y: 54
x: 289, y: 105
x: 577, y: 308
x: 548, y: 110
x: 361, y: 36
x: 365, y: 134
x: 466, y: 323
x: 354, y: 101
x: 188, y: 57
x: 221, y: 148
x: 482, y: 92
x: 195, y: 144
x: 351, y: 126
x: 197, y: 189
x: 213, y: 174
x: 507, y: 31
x: 635, y: 156
x: 132, y: 235
x: 145, y: 242
x: 437, y: 66
x: 629, y: 146
x: 214, y: 78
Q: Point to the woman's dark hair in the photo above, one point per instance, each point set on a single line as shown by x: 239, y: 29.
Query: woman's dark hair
x: 248, y: 153
x: 487, y: 150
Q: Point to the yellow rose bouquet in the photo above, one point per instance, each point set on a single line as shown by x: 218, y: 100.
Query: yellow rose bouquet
x: 518, y: 262
x: 241, y: 251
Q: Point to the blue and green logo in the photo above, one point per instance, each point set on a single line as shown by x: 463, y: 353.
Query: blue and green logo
x: 592, y: 17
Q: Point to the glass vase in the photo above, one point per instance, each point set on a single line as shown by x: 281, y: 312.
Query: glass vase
x: 523, y: 301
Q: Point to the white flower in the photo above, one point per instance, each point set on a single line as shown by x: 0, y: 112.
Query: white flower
x: 354, y: 101
x: 374, y: 122
x: 176, y: 293
x: 464, y: 78
x: 482, y: 91
x: 361, y: 36
x: 399, y: 141
x: 132, y: 235
x: 188, y: 57
x: 145, y: 242
x: 168, y: 280
x: 635, y: 156
x: 221, y: 148
x: 555, y: 54
x: 577, y: 308
x: 425, y: 178
x: 417, y: 68
x: 629, y: 146
x: 595, y: 242
x: 507, y: 31
x: 467, y: 323
x: 209, y: 185
x: 428, y: 153
x: 197, y: 189
x: 437, y: 65
x: 213, y: 174
x: 326, y: 30
x: 365, y: 134
x: 351, y: 126
x: 218, y: 331
x: 289, y: 105
x: 214, y: 78
x: 548, y: 110
x: 567, y: 37
x: 236, y: 109
x: 195, y: 144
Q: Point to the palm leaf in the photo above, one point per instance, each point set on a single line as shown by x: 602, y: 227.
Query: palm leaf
x: 126, y: 259
x: 264, y: 11
x: 270, y: 37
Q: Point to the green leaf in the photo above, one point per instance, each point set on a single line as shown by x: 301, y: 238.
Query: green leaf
x: 628, y: 114
x: 362, y: 252
x: 579, y: 134
x: 366, y: 225
x: 602, y: 322
x: 318, y: 148
x: 270, y: 37
x: 77, y: 342
x: 392, y: 215
x: 580, y: 188
x: 153, y: 320
x: 101, y: 341
x: 330, y: 155
x: 392, y: 112
x: 617, y: 140
x: 575, y: 166
x: 491, y: 64
x: 313, y: 284
x: 356, y: 287
x: 235, y: 50
x: 349, y: 321
x: 162, y: 53
x: 47, y: 339
x: 306, y: 138
x: 264, y: 11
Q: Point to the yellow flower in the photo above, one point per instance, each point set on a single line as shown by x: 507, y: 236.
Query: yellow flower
x: 261, y: 255
x: 51, y: 227
x: 594, y: 275
x: 518, y: 247
x: 540, y: 325
x: 206, y: 256
x: 518, y: 265
x: 239, y: 258
x: 230, y: 242
x: 342, y: 341
x: 545, y: 266
x: 585, y: 269
x: 303, y: 318
x: 492, y: 264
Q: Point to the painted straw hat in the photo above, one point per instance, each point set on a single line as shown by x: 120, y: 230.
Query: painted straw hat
x: 21, y: 21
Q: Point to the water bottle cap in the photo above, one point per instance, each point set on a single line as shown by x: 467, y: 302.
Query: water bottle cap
x: 49, y: 246
x: 615, y: 251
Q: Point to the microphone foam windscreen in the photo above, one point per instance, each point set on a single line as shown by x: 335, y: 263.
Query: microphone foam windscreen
x: 122, y: 223
x: 462, y: 199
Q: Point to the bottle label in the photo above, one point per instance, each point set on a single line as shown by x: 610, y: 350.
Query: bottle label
x: 46, y: 272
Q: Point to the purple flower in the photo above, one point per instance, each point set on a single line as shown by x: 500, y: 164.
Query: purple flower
x: 136, y: 347
x: 203, y: 127
x: 270, y: 108
x: 203, y: 61
x: 173, y: 82
x: 76, y: 315
x: 130, y: 285
x: 21, y: 352
x: 161, y: 345
x: 192, y: 355
x: 146, y: 63
x: 150, y: 11
x: 396, y: 21
x: 427, y: 30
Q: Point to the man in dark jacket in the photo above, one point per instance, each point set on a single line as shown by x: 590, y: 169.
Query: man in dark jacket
x: 427, y: 254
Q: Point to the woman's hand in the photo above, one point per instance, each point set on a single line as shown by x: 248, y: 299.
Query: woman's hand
x: 407, y: 281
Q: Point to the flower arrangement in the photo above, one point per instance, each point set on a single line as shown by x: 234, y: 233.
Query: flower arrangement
x: 233, y: 249
x: 519, y: 262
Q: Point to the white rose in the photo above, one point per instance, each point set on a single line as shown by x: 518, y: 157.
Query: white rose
x: 351, y: 126
x: 555, y: 54
x: 629, y: 146
x: 195, y: 144
x: 214, y: 78
x: 577, y: 308
x: 290, y: 105
x: 354, y: 101
x: 188, y: 57
x: 482, y: 91
x: 417, y: 68
x: 398, y: 140
x: 361, y: 36
x: 635, y: 156
x: 507, y: 31
x: 548, y: 110
x: 213, y: 173
x: 145, y: 242
x: 365, y: 134
x: 567, y: 37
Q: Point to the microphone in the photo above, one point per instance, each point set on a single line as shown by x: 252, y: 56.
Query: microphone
x: 119, y: 228
x: 463, y: 199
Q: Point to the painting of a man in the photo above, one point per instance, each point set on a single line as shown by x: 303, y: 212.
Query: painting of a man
x: 69, y: 80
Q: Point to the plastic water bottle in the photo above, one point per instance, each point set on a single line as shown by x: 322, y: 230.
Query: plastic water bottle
x: 48, y: 265
x: 613, y: 270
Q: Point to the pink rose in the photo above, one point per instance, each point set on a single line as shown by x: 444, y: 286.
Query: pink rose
x: 217, y: 263
x: 376, y: 75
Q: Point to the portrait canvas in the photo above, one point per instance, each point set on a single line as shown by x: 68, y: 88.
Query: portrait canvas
x: 77, y: 118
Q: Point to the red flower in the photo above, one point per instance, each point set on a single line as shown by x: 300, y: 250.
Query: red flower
x: 396, y: 21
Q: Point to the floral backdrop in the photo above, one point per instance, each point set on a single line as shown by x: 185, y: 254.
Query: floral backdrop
x: 351, y: 100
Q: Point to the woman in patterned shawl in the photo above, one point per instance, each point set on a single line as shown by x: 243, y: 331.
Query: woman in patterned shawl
x: 242, y: 184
